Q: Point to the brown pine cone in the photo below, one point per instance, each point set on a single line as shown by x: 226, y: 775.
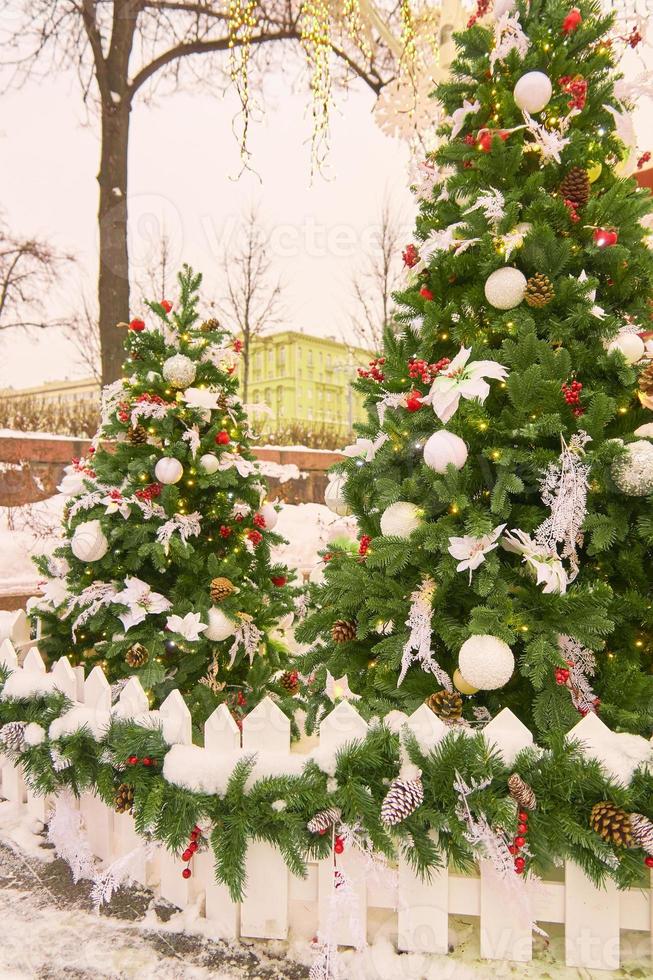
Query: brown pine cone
x: 221, y: 588
x: 290, y: 681
x: 210, y: 325
x: 611, y: 823
x: 447, y: 705
x: 137, y: 656
x: 646, y: 380
x: 124, y: 798
x: 343, y: 631
x: 575, y: 186
x: 521, y: 792
x: 137, y: 435
x: 539, y: 291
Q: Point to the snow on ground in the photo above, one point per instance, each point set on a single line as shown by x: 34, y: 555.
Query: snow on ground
x: 49, y: 932
x: 35, y: 529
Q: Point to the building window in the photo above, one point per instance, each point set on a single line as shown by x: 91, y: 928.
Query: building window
x: 268, y: 397
x: 281, y: 358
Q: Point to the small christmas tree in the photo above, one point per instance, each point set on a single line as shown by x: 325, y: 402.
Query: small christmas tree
x: 504, y: 478
x: 166, y: 571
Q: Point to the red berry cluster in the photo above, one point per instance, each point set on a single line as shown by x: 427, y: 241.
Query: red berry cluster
x: 645, y: 157
x: 191, y: 848
x: 279, y: 581
x: 482, y: 7
x: 648, y: 861
x: 80, y: 465
x: 374, y: 372
x: 224, y: 531
x: 485, y: 137
x: 259, y: 520
x: 166, y: 304
x: 137, y: 325
x: 255, y: 537
x: 634, y: 38
x: 364, y: 544
x: 150, y: 492
x: 576, y: 86
x: 339, y: 845
x: 238, y: 346
x: 418, y: 369
x: 410, y: 255
x: 147, y: 761
x: 572, y: 21
x: 470, y: 139
x: 426, y: 294
x: 573, y: 213
x: 519, y: 842
x: 572, y: 397
x: 151, y: 399
x: 222, y: 438
x: 561, y: 675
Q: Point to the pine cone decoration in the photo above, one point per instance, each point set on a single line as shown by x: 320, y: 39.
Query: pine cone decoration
x: 575, y: 186
x: 12, y: 735
x: 221, y: 588
x: 137, y: 656
x: 611, y: 823
x: 323, y: 820
x: 642, y: 830
x: 210, y: 325
x: 124, y: 799
x: 646, y: 380
x: 343, y: 631
x: 539, y: 291
x: 137, y: 435
x: 290, y: 681
x: 521, y: 792
x: 447, y: 705
x: 402, y: 799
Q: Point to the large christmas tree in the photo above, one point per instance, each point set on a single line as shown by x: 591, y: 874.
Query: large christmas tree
x: 504, y: 479
x: 166, y: 570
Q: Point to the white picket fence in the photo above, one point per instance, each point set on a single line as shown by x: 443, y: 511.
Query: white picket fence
x: 397, y: 905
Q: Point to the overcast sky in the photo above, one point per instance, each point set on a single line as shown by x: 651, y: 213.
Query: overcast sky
x: 183, y: 161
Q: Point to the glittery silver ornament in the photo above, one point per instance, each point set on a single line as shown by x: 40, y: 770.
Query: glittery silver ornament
x: 633, y: 472
x: 179, y: 370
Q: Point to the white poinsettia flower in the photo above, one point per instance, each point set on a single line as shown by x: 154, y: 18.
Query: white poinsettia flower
x: 53, y: 594
x: 462, y: 380
x: 545, y: 562
x: 188, y: 626
x: 339, y: 690
x: 459, y: 115
x: 140, y: 600
x: 202, y: 398
x: 470, y: 551
x: 366, y: 448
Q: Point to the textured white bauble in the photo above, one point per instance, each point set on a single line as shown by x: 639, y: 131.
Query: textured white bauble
x: 270, y: 516
x: 533, y: 91
x: 88, y: 541
x: 179, y: 370
x: 209, y: 463
x: 633, y: 472
x: 334, y: 498
x: 629, y: 345
x: 486, y: 662
x: 443, y: 449
x: 505, y: 288
x: 400, y: 520
x: 645, y: 430
x: 461, y: 684
x: 168, y: 470
x: 220, y: 626
x: 502, y: 7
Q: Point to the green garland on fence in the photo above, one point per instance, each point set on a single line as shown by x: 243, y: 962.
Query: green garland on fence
x: 565, y: 784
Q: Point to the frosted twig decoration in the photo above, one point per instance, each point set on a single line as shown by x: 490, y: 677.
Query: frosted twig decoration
x: 192, y: 437
x: 418, y: 645
x: 508, y: 36
x: 564, y: 489
x: 149, y: 410
x: 87, y: 502
x: 582, y: 666
x: 493, y: 205
x: 249, y: 637
x: 111, y: 395
x: 187, y: 525
x: 550, y: 143
x: 107, y: 883
x: 491, y: 843
x: 93, y: 597
x: 69, y: 840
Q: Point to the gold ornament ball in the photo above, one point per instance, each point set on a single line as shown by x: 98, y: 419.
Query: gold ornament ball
x: 461, y: 684
x: 594, y: 171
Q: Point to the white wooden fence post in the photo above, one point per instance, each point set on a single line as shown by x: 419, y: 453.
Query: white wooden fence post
x: 178, y: 730
x: 506, y: 923
x: 423, y: 904
x: 591, y: 922
x: 264, y: 911
x: 13, y: 786
x: 64, y: 677
x: 98, y: 818
x: 221, y: 734
x: 132, y: 701
x: 343, y: 725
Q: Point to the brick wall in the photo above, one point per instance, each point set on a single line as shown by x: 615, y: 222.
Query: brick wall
x: 37, y: 466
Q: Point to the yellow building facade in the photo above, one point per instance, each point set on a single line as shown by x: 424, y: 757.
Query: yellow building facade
x: 305, y: 381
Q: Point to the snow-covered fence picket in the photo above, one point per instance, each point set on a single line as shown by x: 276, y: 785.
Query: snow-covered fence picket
x: 277, y: 903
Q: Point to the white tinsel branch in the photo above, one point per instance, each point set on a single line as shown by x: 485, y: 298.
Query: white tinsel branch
x: 65, y: 833
x: 564, y: 490
x: 418, y: 645
x: 187, y: 525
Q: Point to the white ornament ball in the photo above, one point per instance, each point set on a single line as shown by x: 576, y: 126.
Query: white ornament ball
x: 629, y: 345
x: 533, y: 91
x: 505, y: 288
x: 179, y: 370
x: 34, y: 734
x: 209, y: 463
x: 502, y: 7
x: 486, y: 662
x: 219, y: 626
x: 334, y: 498
x: 400, y: 520
x: 168, y: 470
x: 633, y: 473
x: 270, y: 516
x: 88, y: 542
x: 444, y: 448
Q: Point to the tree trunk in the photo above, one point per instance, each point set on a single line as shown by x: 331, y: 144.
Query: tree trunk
x: 113, y: 283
